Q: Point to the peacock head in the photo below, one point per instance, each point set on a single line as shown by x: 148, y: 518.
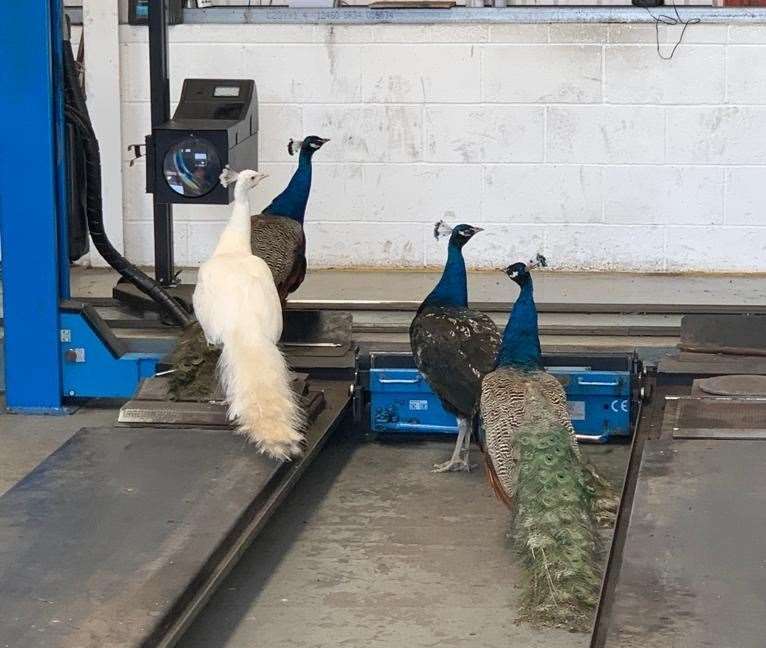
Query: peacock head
x: 310, y: 144
x: 458, y: 235
x: 519, y: 272
x: 245, y: 180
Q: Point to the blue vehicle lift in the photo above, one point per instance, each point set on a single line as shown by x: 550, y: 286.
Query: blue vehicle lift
x: 55, y: 348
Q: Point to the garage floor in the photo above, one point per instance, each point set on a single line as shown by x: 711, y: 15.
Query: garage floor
x: 372, y: 549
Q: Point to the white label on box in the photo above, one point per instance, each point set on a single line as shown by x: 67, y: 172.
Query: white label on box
x: 576, y: 410
x: 418, y: 405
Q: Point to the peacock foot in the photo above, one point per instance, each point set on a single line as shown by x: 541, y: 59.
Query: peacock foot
x: 454, y: 465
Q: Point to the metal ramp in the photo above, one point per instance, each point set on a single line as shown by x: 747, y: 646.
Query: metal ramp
x: 692, y: 568
x: 686, y: 569
x: 120, y: 536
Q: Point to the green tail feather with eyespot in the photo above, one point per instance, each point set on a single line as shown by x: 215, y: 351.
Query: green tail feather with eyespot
x: 554, y: 527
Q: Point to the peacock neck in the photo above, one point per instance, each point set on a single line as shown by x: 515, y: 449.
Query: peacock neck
x: 452, y: 289
x: 520, y: 347
x: 292, y: 202
x: 236, y: 236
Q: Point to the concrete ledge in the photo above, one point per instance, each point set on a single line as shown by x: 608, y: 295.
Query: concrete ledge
x: 531, y: 14
x: 362, y: 15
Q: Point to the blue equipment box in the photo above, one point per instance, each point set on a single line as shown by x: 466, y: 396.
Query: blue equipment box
x: 600, y: 403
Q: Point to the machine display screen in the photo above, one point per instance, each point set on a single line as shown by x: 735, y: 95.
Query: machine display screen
x: 191, y: 167
x: 226, y: 91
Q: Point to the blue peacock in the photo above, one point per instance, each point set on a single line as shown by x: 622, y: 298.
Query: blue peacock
x: 453, y: 345
x: 277, y: 236
x: 535, y: 465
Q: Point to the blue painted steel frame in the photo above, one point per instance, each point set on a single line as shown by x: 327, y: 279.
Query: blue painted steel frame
x: 33, y: 224
x: 90, y: 368
x: 31, y: 201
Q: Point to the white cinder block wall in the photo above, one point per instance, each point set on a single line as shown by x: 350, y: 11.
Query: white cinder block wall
x: 573, y: 139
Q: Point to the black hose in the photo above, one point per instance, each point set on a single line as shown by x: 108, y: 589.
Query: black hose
x: 76, y: 111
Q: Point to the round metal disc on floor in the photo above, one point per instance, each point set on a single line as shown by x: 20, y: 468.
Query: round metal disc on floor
x: 734, y: 386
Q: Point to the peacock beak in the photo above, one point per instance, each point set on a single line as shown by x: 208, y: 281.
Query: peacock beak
x: 476, y: 230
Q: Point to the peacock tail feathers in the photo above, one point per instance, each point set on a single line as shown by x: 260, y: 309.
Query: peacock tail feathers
x: 554, y: 528
x: 606, y: 499
x: 194, y: 364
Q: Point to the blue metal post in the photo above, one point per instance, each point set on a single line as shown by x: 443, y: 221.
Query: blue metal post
x: 31, y: 204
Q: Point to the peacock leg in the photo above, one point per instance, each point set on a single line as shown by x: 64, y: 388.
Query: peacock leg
x: 459, y: 460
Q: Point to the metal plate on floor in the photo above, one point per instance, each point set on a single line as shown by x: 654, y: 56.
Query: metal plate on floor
x: 692, y: 566
x: 152, y: 405
x: 119, y: 537
x: 741, y: 334
x: 735, y: 386
x: 691, y: 417
x: 711, y: 364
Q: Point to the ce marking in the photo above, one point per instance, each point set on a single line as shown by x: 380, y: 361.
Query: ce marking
x: 620, y: 405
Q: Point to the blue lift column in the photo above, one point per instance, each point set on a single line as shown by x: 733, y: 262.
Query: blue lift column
x: 32, y: 202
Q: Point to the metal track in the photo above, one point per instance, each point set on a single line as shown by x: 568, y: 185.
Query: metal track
x: 585, y: 308
x: 119, y: 318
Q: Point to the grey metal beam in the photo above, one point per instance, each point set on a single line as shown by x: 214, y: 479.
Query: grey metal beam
x: 364, y: 15
x: 523, y: 15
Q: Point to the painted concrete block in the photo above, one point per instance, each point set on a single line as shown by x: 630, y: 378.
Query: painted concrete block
x: 745, y: 196
x: 542, y: 193
x: 241, y: 34
x: 136, y: 203
x: 413, y: 141
x: 416, y: 73
x: 606, y: 247
x: 606, y: 134
x: 745, y: 82
x: 139, y: 243
x: 136, y: 125
x: 447, y: 33
x: 636, y: 75
x: 277, y: 123
x: 367, y: 133
x: 723, y: 249
x: 134, y: 71
x: 663, y: 194
x: 364, y: 244
x: 717, y: 135
x: 744, y: 33
x: 510, y: 33
x: 424, y: 193
x: 542, y: 73
x: 335, y: 34
x: 318, y: 73
x: 401, y: 33
x: 647, y: 33
x: 337, y: 192
x: 577, y: 33
x: 484, y: 133
x: 203, y: 238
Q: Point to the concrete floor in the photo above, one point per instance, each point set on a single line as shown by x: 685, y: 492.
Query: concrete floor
x: 27, y: 440
x: 372, y: 549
